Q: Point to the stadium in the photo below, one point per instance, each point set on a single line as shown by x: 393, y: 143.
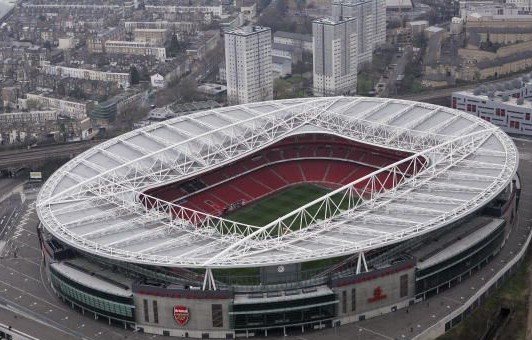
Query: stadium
x: 278, y: 217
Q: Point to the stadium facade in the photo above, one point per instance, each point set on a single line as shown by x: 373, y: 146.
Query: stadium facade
x: 397, y: 201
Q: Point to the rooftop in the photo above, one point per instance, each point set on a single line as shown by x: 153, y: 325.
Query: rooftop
x: 92, y: 203
x: 434, y: 29
x: 101, y: 280
x: 498, y: 98
x: 462, y: 244
x: 247, y: 30
x: 295, y: 36
x: 404, y: 4
x: 281, y: 60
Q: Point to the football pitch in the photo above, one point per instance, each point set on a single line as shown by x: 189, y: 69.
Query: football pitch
x: 268, y: 209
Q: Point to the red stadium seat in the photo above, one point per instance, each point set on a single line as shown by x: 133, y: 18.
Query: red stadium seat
x: 317, y: 158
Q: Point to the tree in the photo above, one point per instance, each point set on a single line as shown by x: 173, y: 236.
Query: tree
x: 281, y: 7
x: 364, y: 84
x: 301, y: 67
x: 174, y: 46
x: 61, y: 90
x: 33, y: 104
x: 187, y: 89
x: 77, y: 92
x: 134, y: 74
x: 301, y: 4
x: 419, y: 40
x: 262, y: 4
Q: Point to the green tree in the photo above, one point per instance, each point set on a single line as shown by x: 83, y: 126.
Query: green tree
x: 364, y: 84
x: 419, y: 40
x: 134, y: 74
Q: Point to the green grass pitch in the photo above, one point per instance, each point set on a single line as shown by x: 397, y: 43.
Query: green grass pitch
x: 265, y: 210
x: 276, y: 205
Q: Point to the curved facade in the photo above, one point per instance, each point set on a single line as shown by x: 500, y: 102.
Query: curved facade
x: 415, y: 198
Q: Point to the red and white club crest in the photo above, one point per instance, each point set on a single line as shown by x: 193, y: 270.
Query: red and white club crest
x: 181, y: 315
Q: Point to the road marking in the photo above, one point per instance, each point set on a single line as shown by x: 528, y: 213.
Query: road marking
x: 17, y: 309
x: 29, y: 246
x: 376, y: 333
x: 35, y: 297
x: 21, y: 273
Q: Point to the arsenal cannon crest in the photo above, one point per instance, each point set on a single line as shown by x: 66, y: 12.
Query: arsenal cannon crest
x: 181, y: 315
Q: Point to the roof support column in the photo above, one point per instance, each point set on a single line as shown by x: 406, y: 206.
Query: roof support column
x: 208, y: 281
x: 361, y: 263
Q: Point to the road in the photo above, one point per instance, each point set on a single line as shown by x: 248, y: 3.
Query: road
x: 27, y: 302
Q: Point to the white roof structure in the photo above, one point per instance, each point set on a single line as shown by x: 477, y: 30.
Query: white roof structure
x: 96, y: 203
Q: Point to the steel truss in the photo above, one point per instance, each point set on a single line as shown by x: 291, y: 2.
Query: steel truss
x: 397, y: 195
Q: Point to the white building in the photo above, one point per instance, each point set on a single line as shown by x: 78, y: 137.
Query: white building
x: 66, y: 43
x: 135, y: 48
x: 157, y: 80
x: 335, y: 56
x: 216, y: 11
x: 68, y: 107
x: 507, y: 105
x: 524, y: 5
x: 123, y: 79
x: 30, y: 118
x: 491, y: 10
x: 248, y: 64
x: 296, y: 40
x: 174, y: 26
x: 371, y: 21
x: 418, y: 26
x: 457, y: 25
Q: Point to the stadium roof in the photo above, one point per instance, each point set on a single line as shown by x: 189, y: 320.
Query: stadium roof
x: 94, y: 202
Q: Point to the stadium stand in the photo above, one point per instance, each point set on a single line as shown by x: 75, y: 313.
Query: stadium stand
x: 325, y: 160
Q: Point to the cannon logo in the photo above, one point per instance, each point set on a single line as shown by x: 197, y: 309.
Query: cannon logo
x: 377, y: 295
x: 181, y: 315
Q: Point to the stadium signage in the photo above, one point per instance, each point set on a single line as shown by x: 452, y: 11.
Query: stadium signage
x: 181, y: 315
x: 378, y: 295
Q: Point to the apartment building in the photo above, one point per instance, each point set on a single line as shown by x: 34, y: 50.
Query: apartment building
x: 213, y: 10
x: 152, y: 36
x: 123, y: 79
x: 173, y: 26
x: 335, y: 56
x: 135, y: 48
x: 248, y: 62
x: 68, y: 107
x: 371, y: 23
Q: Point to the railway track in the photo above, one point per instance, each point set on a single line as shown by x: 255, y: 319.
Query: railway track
x: 22, y: 157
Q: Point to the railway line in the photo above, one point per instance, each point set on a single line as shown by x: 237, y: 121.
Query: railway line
x: 24, y: 157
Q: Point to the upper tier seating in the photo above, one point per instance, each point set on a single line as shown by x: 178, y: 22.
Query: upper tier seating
x: 317, y: 158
